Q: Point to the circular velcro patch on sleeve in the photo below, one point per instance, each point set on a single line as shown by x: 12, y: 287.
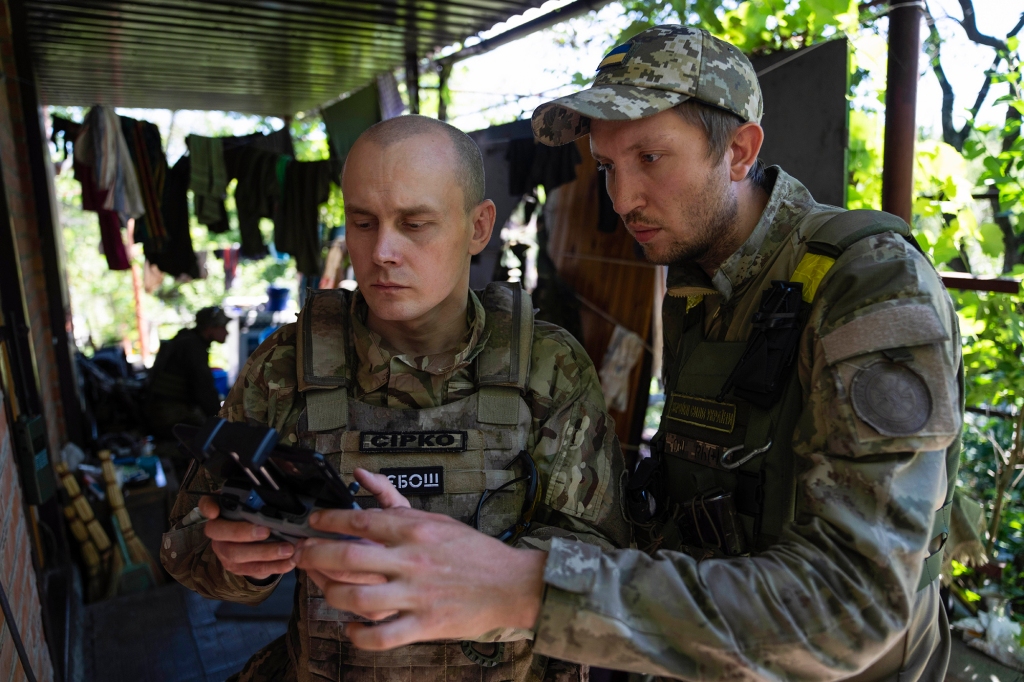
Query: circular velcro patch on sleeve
x: 891, y: 398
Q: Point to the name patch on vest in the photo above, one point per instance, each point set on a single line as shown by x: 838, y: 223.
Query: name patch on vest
x: 413, y: 441
x: 709, y: 414
x: 416, y: 480
x: 696, y: 451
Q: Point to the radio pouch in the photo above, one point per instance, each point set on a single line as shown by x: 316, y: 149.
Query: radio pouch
x: 761, y: 373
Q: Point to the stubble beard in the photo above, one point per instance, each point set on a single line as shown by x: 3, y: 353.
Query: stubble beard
x: 710, y: 222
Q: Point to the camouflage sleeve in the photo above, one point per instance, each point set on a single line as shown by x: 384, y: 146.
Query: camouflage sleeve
x: 838, y: 589
x: 574, y: 446
x: 263, y: 394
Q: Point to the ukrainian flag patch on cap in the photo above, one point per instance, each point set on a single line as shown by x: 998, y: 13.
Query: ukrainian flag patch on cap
x: 614, y: 57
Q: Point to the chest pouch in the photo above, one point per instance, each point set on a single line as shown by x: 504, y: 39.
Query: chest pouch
x: 529, y: 477
x: 762, y: 371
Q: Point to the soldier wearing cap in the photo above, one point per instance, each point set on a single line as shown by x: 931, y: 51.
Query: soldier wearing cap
x: 181, y: 387
x: 791, y: 519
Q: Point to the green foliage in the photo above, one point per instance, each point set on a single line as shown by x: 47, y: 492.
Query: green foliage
x: 754, y: 27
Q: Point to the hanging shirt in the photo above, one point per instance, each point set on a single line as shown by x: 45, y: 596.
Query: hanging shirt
x: 209, y: 181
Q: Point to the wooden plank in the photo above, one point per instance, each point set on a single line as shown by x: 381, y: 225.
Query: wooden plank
x: 605, y: 270
x: 997, y: 285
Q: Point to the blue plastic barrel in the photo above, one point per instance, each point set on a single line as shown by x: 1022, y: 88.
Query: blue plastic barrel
x: 220, y: 380
x: 277, y: 298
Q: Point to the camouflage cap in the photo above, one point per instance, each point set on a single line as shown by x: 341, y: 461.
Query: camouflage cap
x: 654, y: 71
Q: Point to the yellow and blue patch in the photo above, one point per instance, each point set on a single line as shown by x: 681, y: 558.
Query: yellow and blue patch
x: 615, y: 57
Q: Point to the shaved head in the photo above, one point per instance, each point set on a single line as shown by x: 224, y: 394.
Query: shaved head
x: 467, y: 161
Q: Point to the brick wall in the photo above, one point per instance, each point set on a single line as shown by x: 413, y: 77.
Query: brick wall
x: 21, y: 205
x: 16, y: 572
x: 16, y: 567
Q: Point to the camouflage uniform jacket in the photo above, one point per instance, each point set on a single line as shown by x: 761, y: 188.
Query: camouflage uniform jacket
x: 571, y: 432
x: 837, y: 595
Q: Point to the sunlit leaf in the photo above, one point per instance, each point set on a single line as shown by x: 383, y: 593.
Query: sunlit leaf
x: 991, y: 239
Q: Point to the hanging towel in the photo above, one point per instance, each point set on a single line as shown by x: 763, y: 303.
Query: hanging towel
x: 346, y: 121
x: 101, y: 146
x: 623, y: 351
x: 390, y: 99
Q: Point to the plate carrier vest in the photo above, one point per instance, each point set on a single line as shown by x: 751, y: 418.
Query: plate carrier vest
x: 729, y: 480
x: 444, y: 458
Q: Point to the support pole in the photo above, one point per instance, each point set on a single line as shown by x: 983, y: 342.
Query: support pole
x: 901, y: 109
x: 140, y: 315
x: 412, y: 81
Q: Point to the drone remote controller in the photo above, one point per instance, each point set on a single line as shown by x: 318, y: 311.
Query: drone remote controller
x: 267, y: 484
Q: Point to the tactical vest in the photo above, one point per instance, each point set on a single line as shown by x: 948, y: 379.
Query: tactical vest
x: 442, y: 459
x: 723, y: 454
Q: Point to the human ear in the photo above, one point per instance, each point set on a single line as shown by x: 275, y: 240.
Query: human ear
x: 743, y: 150
x: 482, y: 217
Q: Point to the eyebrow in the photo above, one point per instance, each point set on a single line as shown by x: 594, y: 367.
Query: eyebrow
x: 412, y: 210
x: 657, y: 140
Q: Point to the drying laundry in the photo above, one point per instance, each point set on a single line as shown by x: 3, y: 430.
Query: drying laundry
x: 297, y: 225
x: 111, y: 239
x: 209, y: 181
x: 531, y: 164
x: 146, y: 148
x: 346, y: 121
x: 177, y: 257
x: 257, y: 194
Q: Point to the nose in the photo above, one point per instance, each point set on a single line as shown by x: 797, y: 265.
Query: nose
x: 625, y: 191
x: 386, y: 250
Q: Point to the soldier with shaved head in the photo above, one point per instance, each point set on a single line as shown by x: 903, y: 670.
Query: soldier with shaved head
x: 791, y: 518
x: 432, y: 396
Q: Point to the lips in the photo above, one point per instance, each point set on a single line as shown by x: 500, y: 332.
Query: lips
x: 388, y: 286
x: 643, y: 233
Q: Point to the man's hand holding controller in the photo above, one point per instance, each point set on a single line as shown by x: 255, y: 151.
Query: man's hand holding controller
x: 243, y: 548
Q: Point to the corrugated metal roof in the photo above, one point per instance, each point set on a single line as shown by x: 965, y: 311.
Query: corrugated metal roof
x: 271, y: 58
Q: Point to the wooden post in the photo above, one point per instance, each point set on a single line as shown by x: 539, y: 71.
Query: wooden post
x: 901, y: 109
x: 140, y: 316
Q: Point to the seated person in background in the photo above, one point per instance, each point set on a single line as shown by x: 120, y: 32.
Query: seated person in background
x: 181, y: 388
x: 450, y: 393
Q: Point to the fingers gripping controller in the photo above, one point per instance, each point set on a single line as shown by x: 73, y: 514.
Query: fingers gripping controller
x: 267, y: 484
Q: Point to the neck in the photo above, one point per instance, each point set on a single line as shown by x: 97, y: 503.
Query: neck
x: 440, y: 329
x: 750, y: 203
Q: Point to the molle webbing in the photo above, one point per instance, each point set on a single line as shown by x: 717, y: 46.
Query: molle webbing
x: 503, y: 366
x: 322, y: 359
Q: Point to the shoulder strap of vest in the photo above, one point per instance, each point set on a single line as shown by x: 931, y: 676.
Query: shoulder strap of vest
x: 844, y: 229
x: 836, y: 235
x: 321, y: 349
x: 503, y: 366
